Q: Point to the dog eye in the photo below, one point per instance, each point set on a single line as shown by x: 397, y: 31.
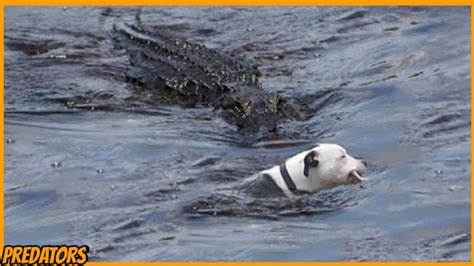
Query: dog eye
x: 343, y: 156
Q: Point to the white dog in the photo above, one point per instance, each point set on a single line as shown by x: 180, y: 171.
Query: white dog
x: 323, y: 167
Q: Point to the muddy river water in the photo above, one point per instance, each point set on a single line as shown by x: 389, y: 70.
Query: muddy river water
x: 390, y: 84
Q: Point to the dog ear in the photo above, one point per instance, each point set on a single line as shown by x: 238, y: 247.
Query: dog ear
x: 310, y: 160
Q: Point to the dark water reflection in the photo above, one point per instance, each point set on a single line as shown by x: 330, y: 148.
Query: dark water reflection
x: 391, y: 84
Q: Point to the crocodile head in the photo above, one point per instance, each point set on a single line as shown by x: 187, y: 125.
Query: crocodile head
x: 252, y: 116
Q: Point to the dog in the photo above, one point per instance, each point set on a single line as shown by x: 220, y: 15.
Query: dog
x: 323, y: 167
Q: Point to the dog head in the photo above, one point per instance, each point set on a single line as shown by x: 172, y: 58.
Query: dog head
x: 329, y: 165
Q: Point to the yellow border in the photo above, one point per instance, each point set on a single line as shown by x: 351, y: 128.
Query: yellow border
x: 227, y: 2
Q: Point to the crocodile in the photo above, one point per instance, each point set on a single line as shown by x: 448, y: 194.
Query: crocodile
x: 178, y: 71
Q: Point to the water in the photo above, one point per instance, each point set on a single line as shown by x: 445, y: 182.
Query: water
x: 391, y: 85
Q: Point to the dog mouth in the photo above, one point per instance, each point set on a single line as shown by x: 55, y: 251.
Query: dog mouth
x: 355, y: 177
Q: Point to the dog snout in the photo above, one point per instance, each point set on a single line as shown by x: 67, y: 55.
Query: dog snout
x: 362, y: 167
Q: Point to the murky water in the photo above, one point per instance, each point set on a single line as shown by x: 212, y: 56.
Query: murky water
x: 391, y: 84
